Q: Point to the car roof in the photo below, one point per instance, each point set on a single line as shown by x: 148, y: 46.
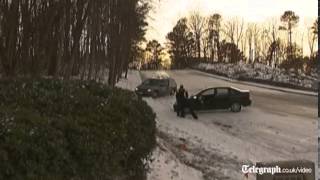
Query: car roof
x: 230, y: 87
x: 157, y: 78
x: 220, y: 87
x: 237, y: 89
x: 161, y: 75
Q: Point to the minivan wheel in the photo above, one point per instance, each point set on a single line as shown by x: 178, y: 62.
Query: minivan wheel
x: 235, y: 107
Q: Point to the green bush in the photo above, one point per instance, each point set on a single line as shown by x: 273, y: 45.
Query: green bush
x: 52, y: 129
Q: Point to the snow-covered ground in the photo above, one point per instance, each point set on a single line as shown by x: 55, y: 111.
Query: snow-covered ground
x: 262, y: 72
x: 278, y: 126
x: 131, y: 82
x: 165, y: 165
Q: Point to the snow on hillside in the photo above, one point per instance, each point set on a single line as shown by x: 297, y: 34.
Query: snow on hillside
x: 262, y: 72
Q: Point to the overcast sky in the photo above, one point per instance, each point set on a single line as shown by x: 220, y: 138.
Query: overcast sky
x: 166, y: 13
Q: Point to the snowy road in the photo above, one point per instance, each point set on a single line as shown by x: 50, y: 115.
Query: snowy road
x: 278, y: 126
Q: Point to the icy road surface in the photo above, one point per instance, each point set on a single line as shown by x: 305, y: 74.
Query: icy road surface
x: 278, y: 126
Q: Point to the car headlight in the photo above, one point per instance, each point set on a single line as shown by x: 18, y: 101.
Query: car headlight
x: 136, y: 89
x: 149, y: 90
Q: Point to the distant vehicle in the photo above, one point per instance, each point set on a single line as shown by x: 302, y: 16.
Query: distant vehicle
x: 219, y: 98
x: 156, y: 87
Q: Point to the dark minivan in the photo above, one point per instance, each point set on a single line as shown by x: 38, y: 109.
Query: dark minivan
x: 156, y: 87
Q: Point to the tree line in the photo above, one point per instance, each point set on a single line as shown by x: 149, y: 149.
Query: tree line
x: 152, y: 55
x: 214, y: 39
x: 67, y: 38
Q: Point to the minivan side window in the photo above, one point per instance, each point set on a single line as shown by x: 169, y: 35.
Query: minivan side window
x: 146, y: 82
x: 164, y: 82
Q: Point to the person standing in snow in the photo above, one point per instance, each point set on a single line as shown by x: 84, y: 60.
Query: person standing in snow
x: 183, y: 102
x: 180, y: 101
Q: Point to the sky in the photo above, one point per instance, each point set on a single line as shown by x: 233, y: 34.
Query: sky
x: 165, y: 13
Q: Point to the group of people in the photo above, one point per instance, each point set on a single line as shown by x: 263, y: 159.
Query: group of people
x: 182, y: 97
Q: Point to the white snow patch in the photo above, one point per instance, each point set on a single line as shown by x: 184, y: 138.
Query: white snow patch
x: 166, y: 165
x: 260, y: 71
x: 132, y: 81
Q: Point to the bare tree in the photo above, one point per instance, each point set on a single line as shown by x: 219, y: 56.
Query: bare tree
x: 234, y: 30
x: 197, y: 24
x: 214, y: 30
x: 265, y: 42
x: 252, y: 34
x: 313, y: 36
x: 206, y: 40
x: 274, y: 46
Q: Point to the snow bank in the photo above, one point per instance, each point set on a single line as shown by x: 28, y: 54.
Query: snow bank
x: 262, y: 73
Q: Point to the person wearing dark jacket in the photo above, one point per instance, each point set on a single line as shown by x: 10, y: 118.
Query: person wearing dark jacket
x: 182, y: 103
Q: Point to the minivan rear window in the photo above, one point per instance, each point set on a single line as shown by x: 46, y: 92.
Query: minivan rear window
x: 153, y: 82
